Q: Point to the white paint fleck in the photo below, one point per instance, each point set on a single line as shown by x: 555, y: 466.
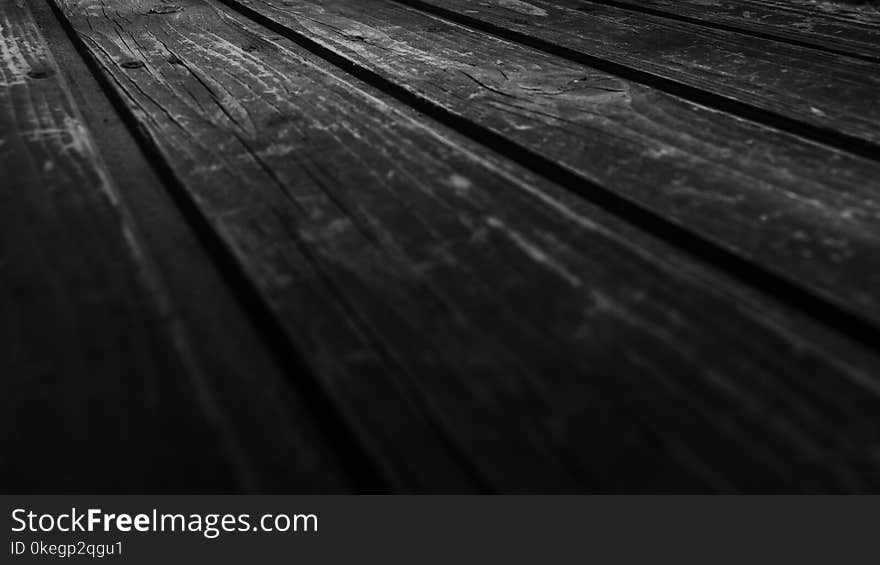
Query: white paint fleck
x: 533, y: 251
x: 459, y: 183
x: 522, y: 7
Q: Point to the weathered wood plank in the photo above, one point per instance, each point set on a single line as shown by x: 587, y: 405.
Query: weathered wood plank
x: 804, y: 212
x: 459, y: 308
x: 102, y: 389
x: 831, y: 92
x: 291, y: 440
x: 842, y: 27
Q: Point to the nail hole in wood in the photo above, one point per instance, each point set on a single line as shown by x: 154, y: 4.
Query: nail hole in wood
x: 40, y: 73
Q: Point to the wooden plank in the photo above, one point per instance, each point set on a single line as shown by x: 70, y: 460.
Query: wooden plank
x: 291, y: 439
x: 804, y: 213
x: 458, y: 307
x: 847, y: 28
x: 762, y: 79
x: 102, y: 387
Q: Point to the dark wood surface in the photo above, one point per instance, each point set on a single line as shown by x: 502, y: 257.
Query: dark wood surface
x: 104, y: 389
x: 719, y: 177
x: 758, y: 77
x: 848, y: 28
x: 456, y: 261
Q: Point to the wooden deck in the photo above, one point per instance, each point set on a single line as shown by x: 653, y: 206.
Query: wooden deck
x: 439, y: 246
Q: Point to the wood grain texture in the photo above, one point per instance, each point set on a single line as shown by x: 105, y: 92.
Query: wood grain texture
x: 846, y: 28
x: 802, y: 211
x: 403, y: 261
x: 833, y: 92
x: 102, y: 390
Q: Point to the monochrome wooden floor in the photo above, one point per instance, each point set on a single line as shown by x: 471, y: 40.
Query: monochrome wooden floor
x: 439, y: 246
